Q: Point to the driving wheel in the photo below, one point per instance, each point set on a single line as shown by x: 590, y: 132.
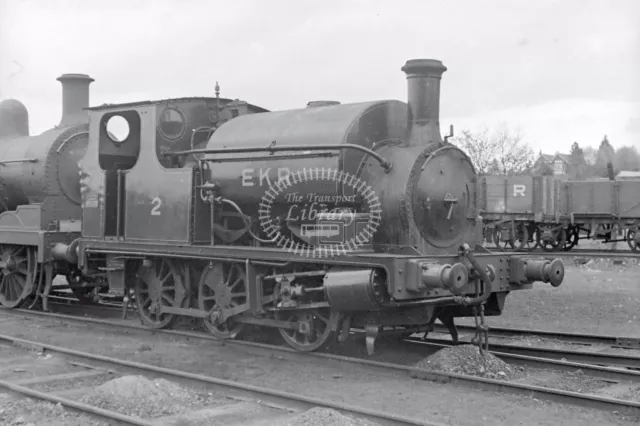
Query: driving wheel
x: 313, y: 328
x: 18, y: 272
x: 222, y: 286
x: 159, y: 284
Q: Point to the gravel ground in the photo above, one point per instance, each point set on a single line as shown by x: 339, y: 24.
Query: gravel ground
x: 324, y: 416
x: 466, y: 359
x: 330, y: 380
x: 77, y: 383
x: 30, y: 412
x: 32, y: 365
x: 599, y: 297
x: 140, y: 397
x: 632, y: 395
x: 569, y: 381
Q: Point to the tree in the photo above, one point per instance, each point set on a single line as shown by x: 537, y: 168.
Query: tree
x: 605, y: 154
x: 590, y: 154
x: 627, y: 158
x: 479, y: 147
x: 501, y: 152
x: 578, y: 163
x: 577, y: 154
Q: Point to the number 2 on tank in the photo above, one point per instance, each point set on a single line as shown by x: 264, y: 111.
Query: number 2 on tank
x: 156, y: 203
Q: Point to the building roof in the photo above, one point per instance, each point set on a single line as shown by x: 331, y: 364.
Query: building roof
x: 544, y: 166
x: 223, y: 101
x: 564, y: 157
x: 550, y: 158
x: 628, y: 174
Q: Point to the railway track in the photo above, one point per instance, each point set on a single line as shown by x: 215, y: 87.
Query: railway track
x: 589, y: 358
x: 612, y: 376
x: 605, y: 254
x: 619, y: 360
x: 230, y: 402
x: 441, y: 337
x: 578, y: 339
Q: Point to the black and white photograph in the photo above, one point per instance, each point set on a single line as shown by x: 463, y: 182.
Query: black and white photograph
x: 306, y: 213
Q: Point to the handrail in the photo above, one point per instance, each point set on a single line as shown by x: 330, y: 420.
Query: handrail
x: 20, y: 160
x: 272, y: 148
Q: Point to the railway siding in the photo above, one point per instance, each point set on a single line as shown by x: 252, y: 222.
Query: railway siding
x: 339, y: 380
x: 106, y: 396
x: 100, y: 396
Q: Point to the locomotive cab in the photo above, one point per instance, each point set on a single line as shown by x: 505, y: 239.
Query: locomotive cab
x: 127, y: 170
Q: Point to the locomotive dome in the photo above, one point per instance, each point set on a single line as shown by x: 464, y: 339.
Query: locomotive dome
x: 14, y: 119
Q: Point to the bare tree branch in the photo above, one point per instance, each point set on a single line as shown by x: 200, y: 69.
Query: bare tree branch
x: 501, y: 152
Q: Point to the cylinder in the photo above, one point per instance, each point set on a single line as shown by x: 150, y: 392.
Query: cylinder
x: 355, y: 291
x: 75, y: 98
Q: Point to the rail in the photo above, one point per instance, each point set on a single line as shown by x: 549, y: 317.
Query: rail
x: 561, y: 336
x: 481, y: 383
x: 272, y: 396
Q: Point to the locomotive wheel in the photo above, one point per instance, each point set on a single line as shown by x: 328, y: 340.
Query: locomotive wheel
x: 573, y: 234
x: 314, y: 328
x: 222, y: 285
x: 159, y: 284
x: 559, y: 238
x: 19, y: 267
x: 631, y: 240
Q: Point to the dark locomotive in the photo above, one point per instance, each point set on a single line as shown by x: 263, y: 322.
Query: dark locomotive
x: 314, y: 221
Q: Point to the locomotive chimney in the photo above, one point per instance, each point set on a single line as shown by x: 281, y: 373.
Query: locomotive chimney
x: 423, y: 83
x: 75, y: 97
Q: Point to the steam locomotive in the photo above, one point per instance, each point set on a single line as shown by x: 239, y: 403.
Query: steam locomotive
x: 313, y: 221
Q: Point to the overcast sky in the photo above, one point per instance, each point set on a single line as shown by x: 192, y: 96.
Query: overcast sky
x: 560, y: 71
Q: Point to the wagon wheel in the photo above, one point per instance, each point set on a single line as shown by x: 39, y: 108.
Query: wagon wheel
x: 522, y: 236
x: 520, y: 241
x: 19, y: 269
x: 573, y: 235
x: 314, y: 328
x: 500, y: 243
x: 604, y: 230
x: 534, y: 237
x: 156, y: 285
x: 222, y: 285
x: 631, y: 240
x: 554, y: 241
